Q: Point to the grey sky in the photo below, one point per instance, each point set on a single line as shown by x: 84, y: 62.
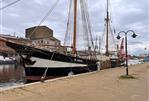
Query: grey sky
x: 126, y: 14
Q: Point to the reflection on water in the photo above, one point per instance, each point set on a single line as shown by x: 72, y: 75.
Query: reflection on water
x: 133, y: 62
x: 11, y: 75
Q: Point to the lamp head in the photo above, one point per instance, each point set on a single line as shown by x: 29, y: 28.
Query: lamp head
x: 118, y: 37
x: 145, y: 48
x: 134, y: 35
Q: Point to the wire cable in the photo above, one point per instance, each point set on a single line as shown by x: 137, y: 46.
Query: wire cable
x: 46, y: 16
x: 8, y: 5
x: 68, y: 28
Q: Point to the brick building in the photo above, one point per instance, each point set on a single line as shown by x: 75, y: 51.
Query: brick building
x: 39, y: 32
x: 42, y: 37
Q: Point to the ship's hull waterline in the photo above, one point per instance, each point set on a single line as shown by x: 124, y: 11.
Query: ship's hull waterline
x: 52, y: 69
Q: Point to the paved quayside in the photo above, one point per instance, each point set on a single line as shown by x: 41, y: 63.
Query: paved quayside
x: 103, y: 85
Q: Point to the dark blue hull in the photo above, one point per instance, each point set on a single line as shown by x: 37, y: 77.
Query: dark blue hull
x: 8, y: 62
x: 35, y: 74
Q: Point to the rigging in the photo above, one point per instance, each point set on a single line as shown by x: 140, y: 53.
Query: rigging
x: 85, y: 27
x: 109, y: 43
x: 46, y: 16
x: 68, y: 28
x: 8, y: 5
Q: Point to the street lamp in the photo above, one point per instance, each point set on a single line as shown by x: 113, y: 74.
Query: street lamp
x: 118, y: 37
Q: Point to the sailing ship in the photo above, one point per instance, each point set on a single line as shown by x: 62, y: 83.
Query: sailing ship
x: 111, y: 50
x: 42, y: 64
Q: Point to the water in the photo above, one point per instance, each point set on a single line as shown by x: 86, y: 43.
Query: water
x: 133, y: 62
x: 11, y: 75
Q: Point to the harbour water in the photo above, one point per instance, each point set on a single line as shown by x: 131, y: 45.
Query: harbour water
x: 133, y: 62
x: 11, y: 75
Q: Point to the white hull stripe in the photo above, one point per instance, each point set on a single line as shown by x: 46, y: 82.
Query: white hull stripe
x: 44, y: 63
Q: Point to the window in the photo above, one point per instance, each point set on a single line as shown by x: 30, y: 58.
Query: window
x: 41, y: 41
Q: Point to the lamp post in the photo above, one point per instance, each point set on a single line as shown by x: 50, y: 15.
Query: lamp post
x: 118, y: 37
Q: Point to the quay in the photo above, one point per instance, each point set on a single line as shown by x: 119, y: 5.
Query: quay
x: 104, y: 85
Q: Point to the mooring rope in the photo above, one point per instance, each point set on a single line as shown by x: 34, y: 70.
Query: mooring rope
x: 45, y: 73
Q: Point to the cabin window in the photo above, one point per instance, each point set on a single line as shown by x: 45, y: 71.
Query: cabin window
x: 41, y: 41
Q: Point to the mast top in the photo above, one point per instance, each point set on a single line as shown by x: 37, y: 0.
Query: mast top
x: 107, y: 5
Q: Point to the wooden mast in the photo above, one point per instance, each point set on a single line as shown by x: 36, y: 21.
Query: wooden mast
x: 107, y: 30
x: 75, y: 28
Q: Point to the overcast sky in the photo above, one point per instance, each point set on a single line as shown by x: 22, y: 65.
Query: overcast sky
x: 126, y: 14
